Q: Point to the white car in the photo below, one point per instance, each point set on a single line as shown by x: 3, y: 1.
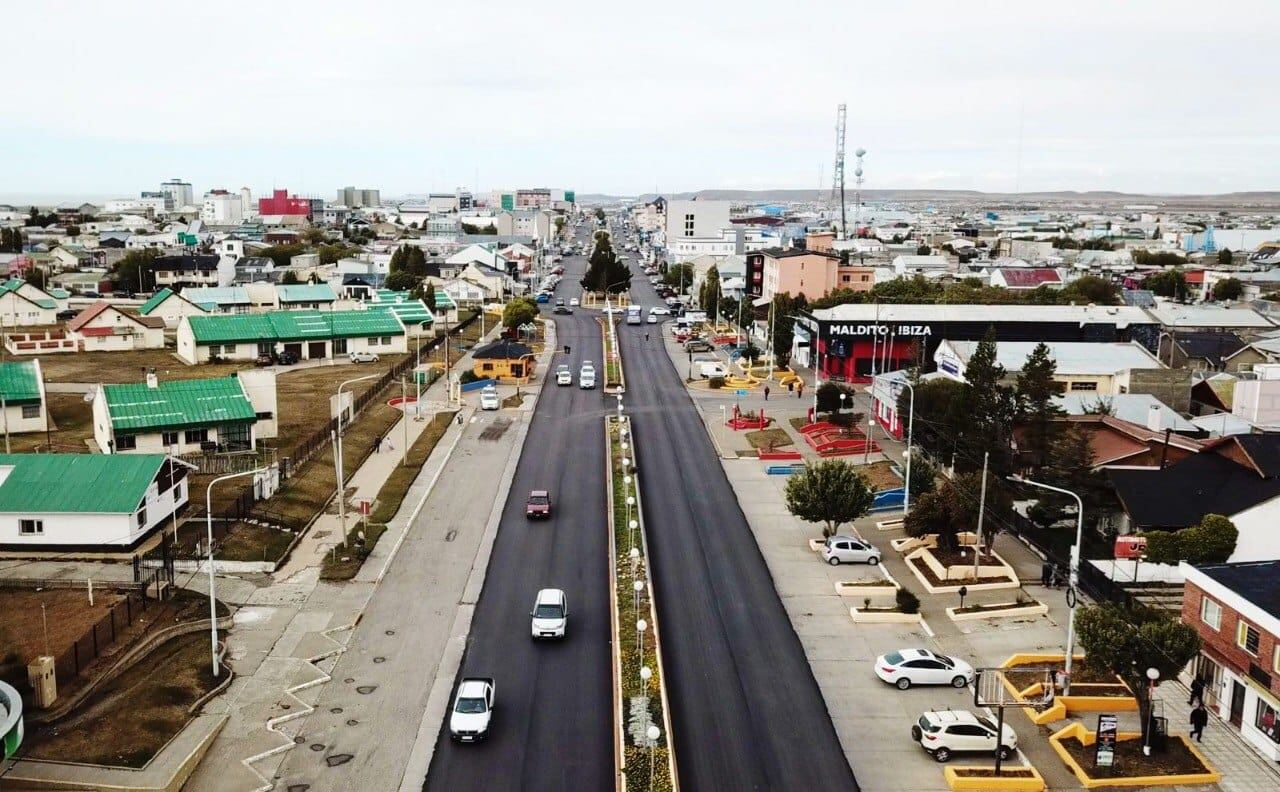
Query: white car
x: 946, y: 732
x: 472, y: 710
x: 907, y: 667
x: 660, y: 311
x: 712, y: 368
x: 364, y: 357
x: 550, y: 614
x: 573, y: 301
x: 849, y: 550
x: 652, y: 319
x: 564, y: 375
x: 489, y: 398
x: 586, y: 378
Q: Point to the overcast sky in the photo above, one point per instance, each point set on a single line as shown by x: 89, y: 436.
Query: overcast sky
x: 110, y: 98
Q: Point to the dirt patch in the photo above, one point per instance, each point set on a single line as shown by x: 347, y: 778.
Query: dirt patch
x: 990, y: 772
x: 135, y: 714
x: 67, y: 613
x: 950, y: 558
x: 769, y: 438
x: 130, y: 366
x: 996, y: 608
x: 495, y: 430
x: 1175, y: 759
x: 1031, y: 673
x: 70, y: 426
x: 241, y: 542
x: 881, y: 476
x: 934, y: 580
x: 513, y: 401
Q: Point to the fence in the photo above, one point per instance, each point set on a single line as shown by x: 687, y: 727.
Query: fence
x: 1093, y: 582
x: 101, y: 635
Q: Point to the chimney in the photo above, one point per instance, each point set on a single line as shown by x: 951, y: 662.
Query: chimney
x: 152, y: 382
x: 1154, y: 418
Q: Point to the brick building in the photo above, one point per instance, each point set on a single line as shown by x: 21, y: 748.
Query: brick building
x: 1236, y: 610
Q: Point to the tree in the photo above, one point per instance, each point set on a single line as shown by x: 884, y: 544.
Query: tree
x: 136, y: 271
x: 728, y: 308
x: 1070, y: 465
x: 1034, y: 390
x: 784, y: 310
x: 923, y: 250
x: 941, y: 415
x: 520, y: 311
x: 1212, y: 541
x: 924, y: 474
x: 1225, y: 256
x: 401, y: 280
x: 605, y: 273
x: 709, y: 292
x: 289, y: 278
x: 599, y: 214
x: 828, y: 396
x: 1228, y: 289
x: 73, y: 231
x: 678, y: 276
x: 831, y: 492
x: 489, y: 230
x: 428, y: 294
x: 36, y: 277
x: 991, y: 406
x: 953, y: 508
x: 281, y: 255
x: 1090, y: 289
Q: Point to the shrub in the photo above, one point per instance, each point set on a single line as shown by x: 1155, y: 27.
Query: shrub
x: 907, y: 602
x: 716, y: 383
x: 468, y: 376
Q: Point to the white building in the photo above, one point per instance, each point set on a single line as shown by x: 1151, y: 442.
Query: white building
x: 222, y: 208
x: 304, y: 335
x: 170, y: 306
x: 1100, y: 369
x: 102, y: 327
x: 23, y: 396
x: 179, y: 193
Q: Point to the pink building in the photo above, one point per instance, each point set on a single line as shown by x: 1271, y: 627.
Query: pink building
x: 811, y: 273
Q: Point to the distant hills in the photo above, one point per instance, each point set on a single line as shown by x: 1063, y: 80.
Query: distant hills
x: 1107, y: 197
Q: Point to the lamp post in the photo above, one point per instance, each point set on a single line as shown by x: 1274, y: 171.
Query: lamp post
x: 639, y: 588
x: 911, y: 425
x: 1152, y: 675
x: 208, y: 522
x: 337, y: 458
x: 1073, y: 575
x: 653, y: 733
x: 641, y: 626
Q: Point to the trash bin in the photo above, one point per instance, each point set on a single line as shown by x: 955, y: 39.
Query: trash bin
x: 1158, y: 734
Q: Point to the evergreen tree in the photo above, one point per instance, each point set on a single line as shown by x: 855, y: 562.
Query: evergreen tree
x: 991, y: 408
x: 709, y: 293
x: 397, y: 260
x: 604, y: 271
x: 1035, y: 389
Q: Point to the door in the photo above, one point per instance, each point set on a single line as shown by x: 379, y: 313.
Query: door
x: 294, y: 349
x: 1237, y: 703
x: 971, y: 737
x: 316, y: 350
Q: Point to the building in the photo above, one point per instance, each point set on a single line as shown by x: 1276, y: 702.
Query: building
x: 1257, y: 399
x: 307, y: 335
x: 504, y: 360
x: 1082, y: 367
x: 102, y: 327
x: 222, y: 208
x: 24, y: 305
x: 418, y: 320
x: 855, y: 340
x: 186, y: 269
x: 1237, y: 477
x: 354, y: 198
x: 221, y: 299
x: 177, y: 194
x: 1026, y: 278
x: 907, y: 266
x: 1176, y: 319
x: 1200, y: 350
x: 170, y: 306
x: 814, y: 274
x: 1236, y: 610
x: 184, y: 416
x: 22, y: 397
x: 102, y: 501
x: 533, y: 198
x: 695, y: 219
x: 282, y: 204
x: 305, y: 296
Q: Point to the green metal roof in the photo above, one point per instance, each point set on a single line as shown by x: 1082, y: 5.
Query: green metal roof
x: 442, y: 300
x: 15, y: 285
x: 154, y: 302
x: 306, y: 292
x: 293, y: 326
x: 60, y: 483
x: 19, y: 382
x: 410, y: 311
x: 59, y: 294
x: 178, y: 404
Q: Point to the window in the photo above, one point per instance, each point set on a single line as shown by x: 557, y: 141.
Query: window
x: 1211, y: 613
x: 1275, y: 659
x: 265, y: 347
x: 688, y: 225
x: 386, y: 340
x: 339, y: 346
x: 1084, y: 386
x: 30, y: 411
x: 31, y: 527
x: 142, y: 517
x: 126, y: 442
x: 196, y: 435
x: 168, y: 439
x: 1265, y: 721
x: 1247, y: 637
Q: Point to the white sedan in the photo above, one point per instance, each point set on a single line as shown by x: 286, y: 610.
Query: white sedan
x: 573, y: 301
x: 660, y: 311
x: 907, y: 667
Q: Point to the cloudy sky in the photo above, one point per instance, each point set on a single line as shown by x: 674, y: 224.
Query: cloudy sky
x: 110, y: 98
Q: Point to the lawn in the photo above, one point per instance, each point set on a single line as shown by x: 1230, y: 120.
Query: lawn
x: 70, y: 425
x: 134, y: 715
x: 769, y: 438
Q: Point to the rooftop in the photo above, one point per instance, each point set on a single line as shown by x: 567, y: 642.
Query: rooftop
x: 293, y: 326
x: 87, y: 483
x: 1175, y: 316
x: 1131, y: 407
x: 1253, y: 580
x: 1119, y: 315
x: 504, y: 349
x: 306, y: 292
x: 137, y: 407
x: 1072, y: 357
x: 209, y: 297
x: 20, y: 382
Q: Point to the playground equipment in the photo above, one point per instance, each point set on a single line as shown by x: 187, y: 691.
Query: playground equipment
x: 828, y: 439
x: 739, y: 422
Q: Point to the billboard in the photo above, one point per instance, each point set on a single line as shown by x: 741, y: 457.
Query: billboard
x: 508, y: 201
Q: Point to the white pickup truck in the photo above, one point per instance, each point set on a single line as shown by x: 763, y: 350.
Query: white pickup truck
x: 472, y: 709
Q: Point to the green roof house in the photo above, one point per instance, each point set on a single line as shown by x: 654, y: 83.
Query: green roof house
x: 170, y: 306
x: 299, y: 335
x: 22, y: 397
x: 24, y: 305
x: 87, y: 502
x: 304, y: 296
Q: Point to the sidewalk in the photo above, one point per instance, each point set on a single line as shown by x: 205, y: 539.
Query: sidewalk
x: 1243, y: 769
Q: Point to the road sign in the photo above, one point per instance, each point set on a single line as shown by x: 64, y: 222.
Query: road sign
x: 741, y: 392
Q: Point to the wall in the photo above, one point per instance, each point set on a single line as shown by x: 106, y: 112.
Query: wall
x: 105, y: 529
x: 1257, y: 401
x: 173, y: 309
x: 16, y: 311
x: 1259, y: 540
x: 260, y: 386
x: 1171, y: 386
x: 14, y: 423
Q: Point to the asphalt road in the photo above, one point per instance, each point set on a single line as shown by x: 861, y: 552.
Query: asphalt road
x: 747, y: 712
x: 552, y: 725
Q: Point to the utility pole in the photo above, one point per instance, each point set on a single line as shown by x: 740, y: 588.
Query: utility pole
x: 982, y: 508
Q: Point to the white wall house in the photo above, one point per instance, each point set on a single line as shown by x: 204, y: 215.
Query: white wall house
x: 102, y: 327
x: 170, y: 306
x: 306, y: 335
x: 19, y: 307
x: 22, y: 388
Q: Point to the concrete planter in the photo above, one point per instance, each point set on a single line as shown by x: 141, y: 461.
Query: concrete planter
x: 1008, y: 581
x: 1122, y: 701
x: 1002, y: 610
x: 960, y: 779
x: 884, y: 617
x: 1078, y: 731
x: 883, y: 588
x: 816, y: 545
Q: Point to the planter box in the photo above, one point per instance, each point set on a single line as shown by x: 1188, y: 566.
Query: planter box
x: 1008, y: 582
x: 884, y: 588
x: 884, y: 617
x: 1078, y: 731
x: 962, y: 572
x: 1030, y: 780
x: 998, y: 611
x: 816, y: 545
x: 1123, y: 701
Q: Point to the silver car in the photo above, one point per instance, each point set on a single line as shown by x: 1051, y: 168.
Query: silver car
x: 849, y: 550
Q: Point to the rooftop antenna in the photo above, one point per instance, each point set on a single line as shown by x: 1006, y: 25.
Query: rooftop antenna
x: 857, y: 190
x: 837, y: 184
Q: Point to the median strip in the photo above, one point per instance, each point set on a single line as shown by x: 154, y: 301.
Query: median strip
x: 642, y: 716
x: 614, y: 380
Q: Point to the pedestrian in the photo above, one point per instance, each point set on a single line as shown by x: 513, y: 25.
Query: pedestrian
x: 566, y: 349
x: 791, y: 386
x: 766, y: 393
x: 646, y: 336
x: 800, y: 389
x: 1197, y: 691
x: 1199, y: 719
x: 1046, y: 575
x: 377, y: 445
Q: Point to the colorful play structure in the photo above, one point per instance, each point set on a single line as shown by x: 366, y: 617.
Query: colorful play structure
x: 829, y: 439
x: 743, y: 422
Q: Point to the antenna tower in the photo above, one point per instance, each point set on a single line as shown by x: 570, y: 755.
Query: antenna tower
x: 837, y: 185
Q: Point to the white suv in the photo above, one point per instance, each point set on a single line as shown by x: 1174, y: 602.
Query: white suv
x: 564, y: 376
x: 550, y: 614
x: 945, y: 732
x: 849, y: 550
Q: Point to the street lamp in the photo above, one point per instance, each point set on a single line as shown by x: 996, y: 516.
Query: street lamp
x: 641, y: 626
x: 1152, y: 675
x: 653, y: 733
x: 208, y: 522
x: 337, y: 458
x: 639, y: 587
x: 1073, y: 575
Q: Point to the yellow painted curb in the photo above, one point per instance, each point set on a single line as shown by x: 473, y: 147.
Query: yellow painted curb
x: 1064, y: 705
x: 959, y: 783
x: 1079, y: 732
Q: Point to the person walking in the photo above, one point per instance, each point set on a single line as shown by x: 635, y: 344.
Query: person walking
x: 1197, y: 691
x: 800, y: 389
x: 1199, y: 719
x: 766, y: 393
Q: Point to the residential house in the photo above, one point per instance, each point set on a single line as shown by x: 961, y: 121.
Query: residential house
x: 22, y: 397
x: 1200, y: 350
x: 1026, y: 278
x: 1235, y: 608
x: 101, y: 501
x: 24, y: 305
x: 1236, y: 476
x: 463, y: 293
x: 1264, y: 350
x: 102, y: 327
x: 185, y: 416
x: 1101, y: 369
x: 1136, y: 408
x: 1129, y: 444
x: 928, y: 266
x: 504, y: 360
x: 814, y: 274
x: 305, y: 296
x: 417, y: 318
x: 308, y: 335
x: 222, y: 299
x: 186, y: 269
x: 1256, y: 398
x: 170, y: 306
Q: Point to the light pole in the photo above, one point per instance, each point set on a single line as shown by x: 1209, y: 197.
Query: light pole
x: 208, y: 522
x: 911, y: 425
x: 1073, y: 575
x: 1152, y: 675
x: 337, y: 458
x: 653, y: 733
x: 639, y: 589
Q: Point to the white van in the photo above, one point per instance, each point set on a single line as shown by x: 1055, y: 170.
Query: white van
x: 712, y: 368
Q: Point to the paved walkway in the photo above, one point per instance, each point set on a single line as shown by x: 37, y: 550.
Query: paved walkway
x: 1243, y: 769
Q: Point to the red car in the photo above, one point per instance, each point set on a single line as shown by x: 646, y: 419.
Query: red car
x: 538, y: 505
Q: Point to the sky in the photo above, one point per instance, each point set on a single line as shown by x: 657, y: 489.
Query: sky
x: 106, y: 99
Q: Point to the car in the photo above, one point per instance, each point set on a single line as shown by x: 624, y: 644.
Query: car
x: 364, y: 357
x: 573, y: 302
x: 672, y: 301
x: 945, y: 732
x: 542, y: 297
x: 849, y: 550
x: 559, y: 302
x: 698, y: 345
x: 472, y: 711
x: 712, y: 368
x: 562, y: 309
x: 564, y: 375
x: 63, y: 316
x: 660, y: 311
x: 489, y: 398
x: 550, y: 614
x: 906, y: 667
x: 265, y: 359
x: 652, y: 319
x: 655, y: 279
x: 287, y: 358
x: 538, y: 504
x: 587, y: 378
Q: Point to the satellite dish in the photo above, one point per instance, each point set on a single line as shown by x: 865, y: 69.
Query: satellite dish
x: 88, y: 396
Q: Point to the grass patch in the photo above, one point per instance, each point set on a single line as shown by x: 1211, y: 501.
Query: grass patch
x: 242, y: 542
x: 132, y: 716
x: 342, y: 563
x: 997, y: 607
x: 70, y: 426
x: 769, y: 438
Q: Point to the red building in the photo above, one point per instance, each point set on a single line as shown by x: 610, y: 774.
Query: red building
x: 281, y: 204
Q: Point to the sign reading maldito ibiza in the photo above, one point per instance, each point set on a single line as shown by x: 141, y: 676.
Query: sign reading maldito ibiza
x: 879, y: 329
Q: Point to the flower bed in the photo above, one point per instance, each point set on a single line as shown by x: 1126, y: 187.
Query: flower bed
x: 1028, y: 607
x: 1180, y: 763
x: 612, y: 364
x: 1090, y: 692
x: 938, y: 579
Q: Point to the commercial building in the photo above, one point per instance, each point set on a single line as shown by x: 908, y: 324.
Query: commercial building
x: 1236, y: 610
x: 282, y: 204
x: 222, y: 208
x: 1081, y: 367
x: 177, y: 193
x: 22, y: 397
x: 356, y: 198
x: 101, y: 501
x: 307, y: 335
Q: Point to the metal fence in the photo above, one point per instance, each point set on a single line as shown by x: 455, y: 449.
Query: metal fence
x: 103, y: 634
x: 1093, y: 581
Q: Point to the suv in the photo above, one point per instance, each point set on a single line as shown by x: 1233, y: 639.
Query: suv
x: 472, y: 710
x: 849, y: 550
x: 550, y: 614
x: 945, y: 732
x: 538, y: 504
x: 564, y: 375
x: 698, y: 345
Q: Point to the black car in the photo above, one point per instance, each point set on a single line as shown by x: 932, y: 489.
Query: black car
x: 287, y: 358
x: 67, y: 314
x: 562, y: 309
x: 698, y: 345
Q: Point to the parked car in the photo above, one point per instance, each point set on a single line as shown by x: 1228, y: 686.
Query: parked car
x: 364, y: 357
x: 550, y: 614
x: 573, y: 302
x: 849, y: 550
x: 63, y: 316
x: 542, y: 297
x: 712, y: 368
x: 564, y: 375
x: 906, y: 667
x: 538, y: 504
x: 472, y: 710
x: 945, y: 732
x: 287, y: 358
x: 698, y: 345
x: 489, y: 398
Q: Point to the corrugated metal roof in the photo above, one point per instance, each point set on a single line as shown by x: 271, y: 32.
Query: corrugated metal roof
x: 306, y: 292
x: 178, y: 404
x: 60, y: 483
x: 154, y: 302
x: 19, y: 382
x: 293, y: 326
x: 217, y: 295
x: 409, y: 311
